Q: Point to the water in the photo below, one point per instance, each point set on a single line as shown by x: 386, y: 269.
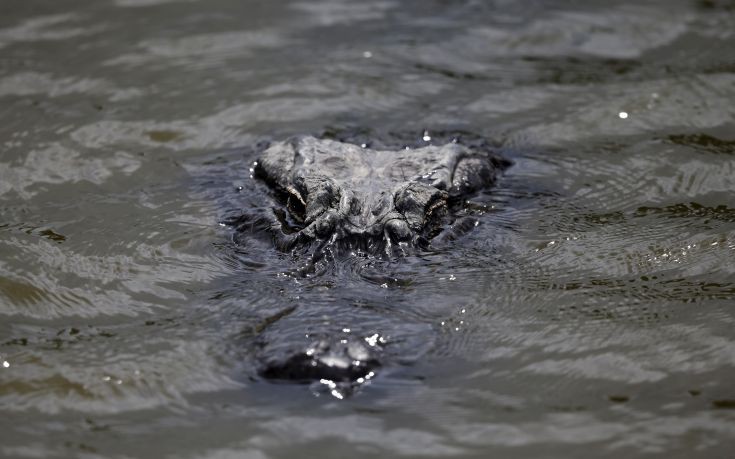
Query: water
x: 591, y: 310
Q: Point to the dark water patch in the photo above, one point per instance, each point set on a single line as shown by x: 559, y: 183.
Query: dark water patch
x: 722, y: 5
x: 618, y: 398
x: 724, y: 404
x: 704, y: 142
x: 164, y: 136
x: 31, y: 229
x: 448, y: 73
x: 573, y: 70
x: 706, y: 214
x: 20, y: 292
x: 50, y: 234
x: 57, y: 340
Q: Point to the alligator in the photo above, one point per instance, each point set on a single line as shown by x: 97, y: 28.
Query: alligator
x: 380, y: 202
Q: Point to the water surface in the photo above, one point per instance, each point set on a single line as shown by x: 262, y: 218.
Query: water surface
x: 591, y: 309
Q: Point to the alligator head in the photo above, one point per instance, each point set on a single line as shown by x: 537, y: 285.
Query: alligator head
x: 374, y: 200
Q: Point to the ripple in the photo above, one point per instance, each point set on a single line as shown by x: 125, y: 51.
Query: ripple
x: 704, y: 142
x: 356, y: 430
x: 34, y: 83
x: 45, y: 28
x: 508, y: 51
x: 110, y: 381
x: 624, y: 32
x: 652, y: 434
x: 146, y: 3
x: 61, y: 282
x: 197, y: 51
x: 651, y: 106
x: 340, y: 12
x: 58, y: 164
x: 609, y: 366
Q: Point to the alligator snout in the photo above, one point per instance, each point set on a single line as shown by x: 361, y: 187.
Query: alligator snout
x: 328, y: 194
x: 339, y: 361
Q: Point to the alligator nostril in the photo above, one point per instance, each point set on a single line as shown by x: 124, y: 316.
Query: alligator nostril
x: 398, y: 230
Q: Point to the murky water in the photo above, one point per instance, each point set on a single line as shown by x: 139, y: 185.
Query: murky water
x: 590, y: 311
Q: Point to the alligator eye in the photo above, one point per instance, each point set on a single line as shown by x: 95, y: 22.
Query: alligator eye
x: 419, y: 203
x: 295, y: 205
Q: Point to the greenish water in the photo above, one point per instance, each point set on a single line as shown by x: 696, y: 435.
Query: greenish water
x: 589, y: 314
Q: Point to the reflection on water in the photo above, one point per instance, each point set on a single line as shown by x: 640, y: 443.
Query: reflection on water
x: 591, y: 307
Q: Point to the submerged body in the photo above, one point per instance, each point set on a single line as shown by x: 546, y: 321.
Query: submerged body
x: 340, y: 195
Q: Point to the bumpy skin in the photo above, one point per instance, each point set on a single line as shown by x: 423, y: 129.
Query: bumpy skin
x: 344, y: 195
x: 376, y: 199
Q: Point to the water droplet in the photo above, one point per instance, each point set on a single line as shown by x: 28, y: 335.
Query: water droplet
x: 623, y: 115
x: 372, y: 340
x: 6, y: 364
x: 367, y: 54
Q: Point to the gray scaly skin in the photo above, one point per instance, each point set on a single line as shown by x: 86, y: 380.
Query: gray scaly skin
x: 339, y: 192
